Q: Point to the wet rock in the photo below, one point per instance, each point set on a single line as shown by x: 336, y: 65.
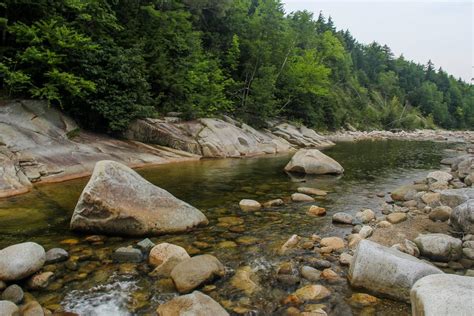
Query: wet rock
x: 127, y: 254
x: 443, y: 294
x: 191, y: 273
x: 407, y: 192
x: 13, y: 293
x: 439, y: 247
x: 247, y: 205
x: 117, y: 200
x: 300, y: 197
x: 165, y: 257
x: 56, y: 255
x: 335, y: 243
x: 362, y: 300
x: 395, y: 218
x: 315, y: 210
x: 145, y: 245
x: 440, y: 213
x: 310, y: 274
x: 21, y: 260
x: 245, y: 280
x: 462, y: 217
x: 273, y: 203
x: 289, y: 280
x: 366, y: 231
x: 345, y: 259
x: 196, y: 304
x: 40, y: 281
x: 32, y: 308
x: 292, y: 242
x: 365, y: 216
x: 342, y: 218
x: 312, y: 191
x: 386, y: 271
x: 312, y: 293
x: 330, y: 275
x: 312, y: 161
x: 8, y: 308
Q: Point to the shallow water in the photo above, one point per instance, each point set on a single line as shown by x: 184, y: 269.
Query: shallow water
x: 100, y: 287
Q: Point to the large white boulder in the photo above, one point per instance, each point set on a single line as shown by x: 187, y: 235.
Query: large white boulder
x: 21, y: 260
x: 443, y: 294
x: 386, y: 271
x: 462, y: 217
x: 439, y: 247
x: 117, y: 200
x: 312, y: 161
x: 196, y: 304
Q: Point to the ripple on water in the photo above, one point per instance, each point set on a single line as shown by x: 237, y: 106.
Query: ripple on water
x: 105, y: 300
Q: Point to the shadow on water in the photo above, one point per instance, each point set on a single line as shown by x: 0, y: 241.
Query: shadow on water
x: 216, y: 187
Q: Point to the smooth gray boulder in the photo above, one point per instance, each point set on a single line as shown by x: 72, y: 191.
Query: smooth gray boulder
x: 455, y: 197
x: 8, y: 308
x: 117, y: 200
x: 21, y: 260
x: 312, y: 161
x: 386, y: 271
x: 196, y: 304
x: 462, y: 217
x: 439, y: 247
x: 442, y: 295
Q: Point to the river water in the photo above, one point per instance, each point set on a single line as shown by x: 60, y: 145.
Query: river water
x: 97, y: 286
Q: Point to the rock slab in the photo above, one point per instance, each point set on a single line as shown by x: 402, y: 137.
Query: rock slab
x: 117, y: 200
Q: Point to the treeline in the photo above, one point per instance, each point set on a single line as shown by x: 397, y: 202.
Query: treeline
x: 108, y: 62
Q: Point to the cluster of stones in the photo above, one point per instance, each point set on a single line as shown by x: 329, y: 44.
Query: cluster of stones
x: 22, y: 267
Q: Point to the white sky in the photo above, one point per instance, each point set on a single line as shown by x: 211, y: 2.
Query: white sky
x: 420, y: 29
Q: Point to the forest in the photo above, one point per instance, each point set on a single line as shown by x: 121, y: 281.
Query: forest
x: 111, y: 61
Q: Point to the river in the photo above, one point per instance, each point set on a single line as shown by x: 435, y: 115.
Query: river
x: 96, y: 286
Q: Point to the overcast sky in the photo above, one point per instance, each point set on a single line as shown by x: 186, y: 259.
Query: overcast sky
x: 420, y: 29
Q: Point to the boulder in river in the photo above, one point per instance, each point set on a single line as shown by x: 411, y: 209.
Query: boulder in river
x: 386, y: 271
x: 191, y: 273
x: 117, y: 200
x: 439, y: 247
x: 196, y: 304
x: 462, y: 217
x: 8, y: 308
x: 21, y: 260
x: 312, y: 161
x: 443, y: 294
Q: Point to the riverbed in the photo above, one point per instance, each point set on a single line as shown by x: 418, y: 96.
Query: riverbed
x: 101, y: 287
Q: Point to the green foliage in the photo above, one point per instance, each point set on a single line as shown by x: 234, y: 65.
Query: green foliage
x: 109, y: 62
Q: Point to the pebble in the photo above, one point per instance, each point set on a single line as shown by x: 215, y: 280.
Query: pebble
x: 362, y: 300
x: 127, y: 254
x: 366, y: 231
x: 345, y: 259
x: 342, y: 218
x: 13, y: 293
x: 247, y: 205
x: 310, y: 274
x: 334, y: 243
x: 397, y: 217
x: 317, y: 211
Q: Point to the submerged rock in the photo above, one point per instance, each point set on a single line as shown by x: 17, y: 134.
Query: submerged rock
x: 249, y: 205
x: 117, y: 200
x: 439, y: 247
x: 312, y: 191
x: 386, y: 271
x: 196, y: 304
x: 462, y: 217
x: 312, y: 161
x: 245, y: 280
x: 191, y: 273
x: 443, y: 294
x: 312, y: 293
x: 21, y: 260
